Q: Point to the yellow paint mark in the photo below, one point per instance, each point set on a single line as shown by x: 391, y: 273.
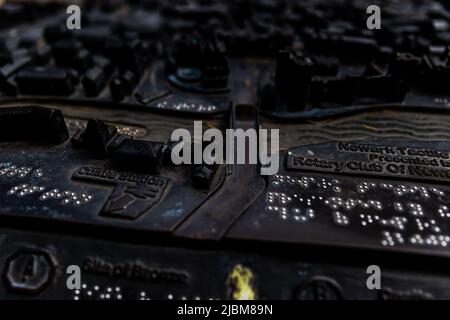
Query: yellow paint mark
x: 242, y: 281
x: 365, y: 126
